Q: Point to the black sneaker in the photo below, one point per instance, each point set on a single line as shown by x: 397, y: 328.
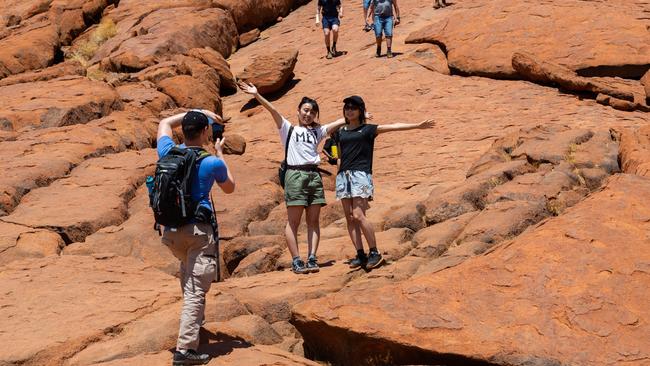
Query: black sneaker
x: 334, y: 52
x: 312, y: 264
x: 191, y: 357
x: 374, y: 260
x: 358, y: 261
x: 298, y: 267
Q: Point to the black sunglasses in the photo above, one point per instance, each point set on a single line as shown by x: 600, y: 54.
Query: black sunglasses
x: 351, y: 106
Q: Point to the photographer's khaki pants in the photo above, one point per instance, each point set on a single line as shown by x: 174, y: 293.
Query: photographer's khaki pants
x: 194, y: 246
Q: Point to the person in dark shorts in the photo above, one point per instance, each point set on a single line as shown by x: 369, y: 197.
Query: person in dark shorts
x: 384, y: 20
x: 354, y: 185
x: 303, y: 185
x: 437, y: 4
x: 331, y: 11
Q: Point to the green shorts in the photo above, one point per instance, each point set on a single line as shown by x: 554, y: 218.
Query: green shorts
x: 303, y: 188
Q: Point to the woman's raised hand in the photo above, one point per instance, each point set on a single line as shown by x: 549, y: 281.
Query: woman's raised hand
x: 426, y: 124
x: 247, y: 88
x: 368, y: 115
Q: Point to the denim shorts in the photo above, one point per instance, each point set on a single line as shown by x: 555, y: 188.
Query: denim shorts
x: 384, y: 24
x: 329, y: 22
x: 366, y: 4
x: 354, y: 183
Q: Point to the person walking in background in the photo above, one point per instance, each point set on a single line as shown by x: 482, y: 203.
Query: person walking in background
x: 303, y: 185
x: 366, y: 5
x: 331, y: 11
x: 384, y: 20
x: 354, y: 185
x: 437, y: 4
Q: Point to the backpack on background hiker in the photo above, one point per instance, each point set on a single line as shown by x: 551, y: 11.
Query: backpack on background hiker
x: 282, y: 171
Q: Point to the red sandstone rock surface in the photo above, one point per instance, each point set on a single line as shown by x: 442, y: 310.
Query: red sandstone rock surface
x: 515, y: 231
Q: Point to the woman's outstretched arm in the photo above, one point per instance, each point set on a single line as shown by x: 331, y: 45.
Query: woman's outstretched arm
x: 252, y: 90
x: 405, y: 126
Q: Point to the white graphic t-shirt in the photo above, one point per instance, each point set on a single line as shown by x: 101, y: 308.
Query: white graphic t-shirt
x: 303, y: 146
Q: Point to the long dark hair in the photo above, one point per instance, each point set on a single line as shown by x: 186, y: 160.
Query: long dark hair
x: 362, y: 115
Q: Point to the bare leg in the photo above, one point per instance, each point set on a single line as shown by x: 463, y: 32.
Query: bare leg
x: 335, y: 37
x: 353, y: 225
x: 389, y: 42
x: 359, y: 207
x: 313, y: 228
x: 326, y: 32
x: 294, y: 214
x: 378, y: 39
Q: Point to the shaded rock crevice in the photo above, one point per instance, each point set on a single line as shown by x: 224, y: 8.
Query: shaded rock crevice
x: 368, y: 350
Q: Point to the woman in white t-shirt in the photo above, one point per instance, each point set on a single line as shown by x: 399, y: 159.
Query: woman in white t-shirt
x: 303, y: 186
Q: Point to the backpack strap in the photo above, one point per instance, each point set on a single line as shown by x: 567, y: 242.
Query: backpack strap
x: 286, y: 147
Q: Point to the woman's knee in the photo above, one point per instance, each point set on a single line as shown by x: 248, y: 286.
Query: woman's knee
x: 293, y: 225
x: 358, y: 215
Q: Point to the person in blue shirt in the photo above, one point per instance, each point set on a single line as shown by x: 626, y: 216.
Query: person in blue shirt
x: 194, y: 244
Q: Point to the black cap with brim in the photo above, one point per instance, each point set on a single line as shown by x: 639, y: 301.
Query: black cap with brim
x: 194, y: 118
x: 356, y: 100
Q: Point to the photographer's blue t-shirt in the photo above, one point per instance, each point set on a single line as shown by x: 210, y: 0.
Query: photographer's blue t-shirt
x: 210, y: 169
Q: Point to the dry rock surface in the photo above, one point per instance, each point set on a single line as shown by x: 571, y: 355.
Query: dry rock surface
x: 515, y: 231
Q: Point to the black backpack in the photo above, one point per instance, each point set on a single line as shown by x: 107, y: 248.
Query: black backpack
x: 282, y: 170
x: 171, y: 194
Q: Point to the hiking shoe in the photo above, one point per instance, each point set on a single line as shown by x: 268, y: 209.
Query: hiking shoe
x: 367, y: 28
x: 374, y: 260
x: 298, y: 267
x: 389, y: 54
x: 191, y: 357
x: 329, y: 56
x: 334, y: 52
x: 312, y: 264
x: 358, y: 261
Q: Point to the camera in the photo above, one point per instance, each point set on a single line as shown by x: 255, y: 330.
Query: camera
x: 217, y: 130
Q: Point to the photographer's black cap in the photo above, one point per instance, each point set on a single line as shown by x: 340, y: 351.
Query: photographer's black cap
x: 194, y: 118
x: 356, y: 100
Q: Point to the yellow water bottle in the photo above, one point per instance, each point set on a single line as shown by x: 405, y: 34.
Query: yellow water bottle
x: 335, y: 152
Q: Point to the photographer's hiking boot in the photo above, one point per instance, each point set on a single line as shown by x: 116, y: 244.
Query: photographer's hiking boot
x: 374, y: 259
x: 312, y: 264
x: 359, y: 261
x: 298, y: 266
x: 190, y: 357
